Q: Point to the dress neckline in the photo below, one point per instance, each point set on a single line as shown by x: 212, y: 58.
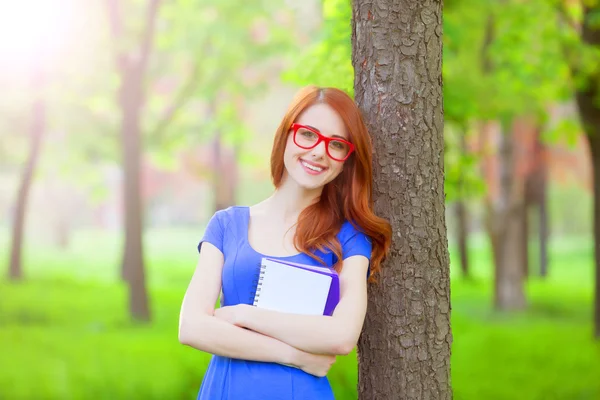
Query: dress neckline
x: 247, y: 238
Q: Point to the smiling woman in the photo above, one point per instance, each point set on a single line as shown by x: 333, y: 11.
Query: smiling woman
x: 34, y: 31
x: 319, y: 215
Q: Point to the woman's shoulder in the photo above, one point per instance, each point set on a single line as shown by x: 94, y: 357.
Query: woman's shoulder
x: 226, y: 215
x: 348, y: 230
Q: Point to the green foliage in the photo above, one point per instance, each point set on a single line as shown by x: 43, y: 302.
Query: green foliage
x: 583, y: 58
x: 567, y: 130
x: 218, y: 54
x: 502, y: 59
x: 328, y: 61
x: 462, y: 179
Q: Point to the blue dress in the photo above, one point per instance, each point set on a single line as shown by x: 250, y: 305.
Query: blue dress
x: 234, y: 379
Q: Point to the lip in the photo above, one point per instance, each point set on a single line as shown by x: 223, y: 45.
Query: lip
x: 310, y: 171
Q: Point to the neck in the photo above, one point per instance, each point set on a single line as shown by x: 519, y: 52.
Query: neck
x: 288, y: 201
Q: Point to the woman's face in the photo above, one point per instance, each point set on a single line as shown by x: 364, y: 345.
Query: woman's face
x: 313, y: 168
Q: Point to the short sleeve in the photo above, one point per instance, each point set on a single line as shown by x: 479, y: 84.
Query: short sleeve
x: 214, y: 232
x: 356, y: 243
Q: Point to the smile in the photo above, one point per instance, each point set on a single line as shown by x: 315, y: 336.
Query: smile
x: 312, y: 169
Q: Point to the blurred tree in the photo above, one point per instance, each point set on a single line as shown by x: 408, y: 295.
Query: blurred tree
x: 231, y: 63
x: 36, y: 133
x: 518, y: 62
x: 582, y: 49
x: 131, y: 66
x: 404, y: 351
x: 327, y: 62
x: 205, y: 56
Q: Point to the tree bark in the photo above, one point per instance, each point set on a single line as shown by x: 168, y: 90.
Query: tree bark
x: 589, y: 111
x: 404, y: 350
x: 38, y: 122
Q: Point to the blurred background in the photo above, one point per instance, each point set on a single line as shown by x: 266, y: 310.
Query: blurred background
x: 124, y: 124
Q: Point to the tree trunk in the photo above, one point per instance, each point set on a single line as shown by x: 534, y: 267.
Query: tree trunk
x: 486, y: 130
x: 38, y: 122
x: 509, y: 277
x: 224, y: 174
x: 133, y: 261
x: 132, y: 68
x: 527, y: 204
x: 589, y: 111
x: 461, y: 234
x: 462, y: 215
x: 404, y: 349
x: 536, y: 196
x: 543, y: 225
x: 594, y: 141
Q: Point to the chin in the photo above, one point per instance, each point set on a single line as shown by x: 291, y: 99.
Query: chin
x: 305, y: 182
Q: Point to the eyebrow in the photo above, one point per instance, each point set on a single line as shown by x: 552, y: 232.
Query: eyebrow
x: 333, y: 136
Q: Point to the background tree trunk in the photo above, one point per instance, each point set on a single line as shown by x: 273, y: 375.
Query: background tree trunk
x: 404, y: 350
x: 594, y: 140
x: 508, y: 221
x: 528, y: 204
x: 38, y: 122
x: 133, y: 261
x: 462, y: 216
x: 132, y: 68
x: 224, y: 164
x: 589, y: 111
x: 536, y: 196
x: 543, y: 226
x: 462, y: 234
x: 224, y: 174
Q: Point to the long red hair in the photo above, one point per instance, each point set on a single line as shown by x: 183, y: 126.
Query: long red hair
x: 348, y: 196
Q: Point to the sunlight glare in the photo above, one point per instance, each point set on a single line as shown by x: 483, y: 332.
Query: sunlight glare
x: 32, y: 31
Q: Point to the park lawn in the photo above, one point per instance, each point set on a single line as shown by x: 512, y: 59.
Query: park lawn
x: 65, y: 334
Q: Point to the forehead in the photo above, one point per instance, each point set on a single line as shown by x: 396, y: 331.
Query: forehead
x: 325, y: 119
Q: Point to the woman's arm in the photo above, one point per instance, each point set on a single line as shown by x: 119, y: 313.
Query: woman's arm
x: 199, y: 328
x: 336, y: 334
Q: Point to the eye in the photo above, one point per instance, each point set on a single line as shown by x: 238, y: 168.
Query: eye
x: 307, y: 134
x: 337, y: 145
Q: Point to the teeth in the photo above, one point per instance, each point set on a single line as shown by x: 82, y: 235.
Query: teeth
x: 312, y: 167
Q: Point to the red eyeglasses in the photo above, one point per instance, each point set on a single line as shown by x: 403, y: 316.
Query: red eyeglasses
x: 308, y: 137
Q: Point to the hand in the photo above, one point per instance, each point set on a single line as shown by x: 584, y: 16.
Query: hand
x: 315, y: 364
x: 235, y: 315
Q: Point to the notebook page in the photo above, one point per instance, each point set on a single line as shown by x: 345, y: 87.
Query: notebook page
x: 293, y: 290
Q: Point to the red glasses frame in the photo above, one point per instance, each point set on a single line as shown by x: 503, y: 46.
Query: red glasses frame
x: 322, y: 138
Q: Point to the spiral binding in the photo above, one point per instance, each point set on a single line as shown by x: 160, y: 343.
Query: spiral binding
x: 258, y: 282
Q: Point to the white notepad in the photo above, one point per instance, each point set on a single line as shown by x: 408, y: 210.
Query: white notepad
x: 290, y: 289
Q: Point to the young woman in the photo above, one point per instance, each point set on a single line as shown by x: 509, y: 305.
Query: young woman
x: 320, y: 214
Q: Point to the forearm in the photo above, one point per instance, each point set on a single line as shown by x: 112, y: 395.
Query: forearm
x: 311, y: 333
x: 215, y: 336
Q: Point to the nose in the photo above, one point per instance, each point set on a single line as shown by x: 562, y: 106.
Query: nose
x: 319, y: 151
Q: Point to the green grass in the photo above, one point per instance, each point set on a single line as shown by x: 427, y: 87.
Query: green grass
x: 65, y: 333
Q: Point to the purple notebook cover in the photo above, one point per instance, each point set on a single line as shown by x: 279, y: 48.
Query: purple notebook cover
x: 333, y: 298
